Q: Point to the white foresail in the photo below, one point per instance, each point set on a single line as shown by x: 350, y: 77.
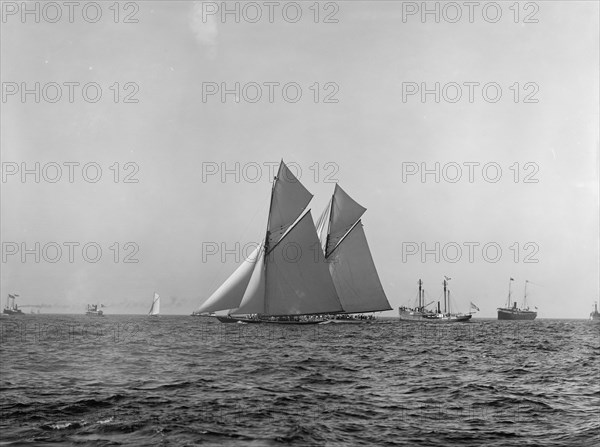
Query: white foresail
x: 345, y: 212
x: 230, y: 293
x: 155, y: 309
x: 253, y: 301
x: 355, y: 276
x: 289, y: 198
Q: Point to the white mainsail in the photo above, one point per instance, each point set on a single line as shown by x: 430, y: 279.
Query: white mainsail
x: 355, y: 276
x: 294, y: 279
x: 155, y: 308
x: 347, y: 252
x: 287, y: 274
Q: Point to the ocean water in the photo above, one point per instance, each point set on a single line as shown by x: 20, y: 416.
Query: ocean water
x: 181, y: 380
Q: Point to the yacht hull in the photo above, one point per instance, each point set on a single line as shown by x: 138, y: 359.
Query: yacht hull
x: 448, y: 319
x: 516, y: 314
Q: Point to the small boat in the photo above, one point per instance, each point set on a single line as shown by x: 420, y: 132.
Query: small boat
x: 516, y: 313
x: 419, y: 312
x: 11, y: 307
x: 93, y: 310
x: 595, y: 315
x: 446, y: 316
x: 422, y: 314
x: 155, y: 308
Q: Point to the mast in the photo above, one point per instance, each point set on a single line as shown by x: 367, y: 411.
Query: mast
x: 525, y: 296
x: 267, y: 237
x: 420, y: 291
x: 445, y: 307
x: 329, y: 226
x: 508, y: 303
x: 349, y: 258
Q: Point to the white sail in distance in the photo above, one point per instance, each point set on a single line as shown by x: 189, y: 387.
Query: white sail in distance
x: 350, y: 261
x: 155, y: 308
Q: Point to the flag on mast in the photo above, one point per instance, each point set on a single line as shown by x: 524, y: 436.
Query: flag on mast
x: 473, y: 306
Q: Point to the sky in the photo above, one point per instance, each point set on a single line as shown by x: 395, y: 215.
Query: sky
x: 177, y: 177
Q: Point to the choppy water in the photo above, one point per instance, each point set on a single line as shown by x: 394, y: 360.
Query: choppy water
x: 122, y: 380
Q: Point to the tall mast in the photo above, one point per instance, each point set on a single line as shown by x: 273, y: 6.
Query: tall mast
x: 525, y: 295
x: 329, y: 226
x: 268, y: 235
x: 420, y: 296
x: 445, y: 307
x: 508, y: 303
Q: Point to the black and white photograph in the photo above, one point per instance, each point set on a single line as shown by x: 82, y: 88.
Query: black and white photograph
x: 300, y: 223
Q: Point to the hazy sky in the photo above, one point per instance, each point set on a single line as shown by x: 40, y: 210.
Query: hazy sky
x: 178, y: 134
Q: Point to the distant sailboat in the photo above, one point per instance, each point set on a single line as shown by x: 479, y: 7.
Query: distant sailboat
x: 285, y: 280
x: 514, y: 312
x: 155, y: 308
x: 595, y: 315
x: 349, y: 259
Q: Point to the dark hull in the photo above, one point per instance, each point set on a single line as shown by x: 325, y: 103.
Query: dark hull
x: 447, y: 319
x: 516, y: 314
x: 92, y: 313
x: 12, y: 312
x: 229, y: 319
x: 291, y: 322
x: 343, y: 321
x: 223, y: 319
x: 595, y: 317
